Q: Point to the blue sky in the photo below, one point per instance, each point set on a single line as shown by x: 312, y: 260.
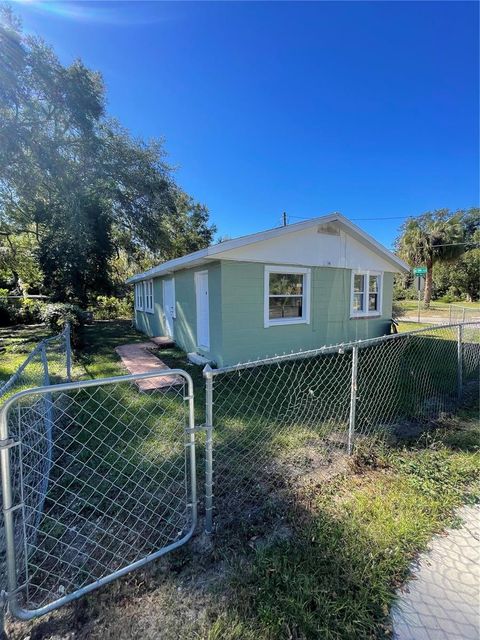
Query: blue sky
x: 368, y: 108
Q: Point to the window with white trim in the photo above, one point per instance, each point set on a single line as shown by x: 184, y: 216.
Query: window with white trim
x: 287, y: 295
x: 366, y: 293
x: 148, y: 284
x: 139, y: 296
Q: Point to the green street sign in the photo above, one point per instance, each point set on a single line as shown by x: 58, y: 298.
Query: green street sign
x: 420, y: 271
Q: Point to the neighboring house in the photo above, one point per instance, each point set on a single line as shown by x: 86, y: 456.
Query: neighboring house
x: 302, y: 286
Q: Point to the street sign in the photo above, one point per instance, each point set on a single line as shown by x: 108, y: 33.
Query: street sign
x: 419, y: 283
x: 420, y: 271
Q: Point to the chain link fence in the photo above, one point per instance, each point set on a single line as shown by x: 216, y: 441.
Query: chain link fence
x: 459, y: 314
x: 119, y: 489
x: 49, y: 362
x: 99, y: 476
x: 292, y: 418
x: 437, y: 313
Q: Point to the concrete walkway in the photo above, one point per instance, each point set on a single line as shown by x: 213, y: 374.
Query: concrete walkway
x: 442, y: 601
x: 138, y: 359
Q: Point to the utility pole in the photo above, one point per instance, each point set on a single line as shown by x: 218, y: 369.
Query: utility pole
x: 284, y: 218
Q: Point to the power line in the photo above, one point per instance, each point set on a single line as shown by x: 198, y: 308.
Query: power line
x: 386, y: 218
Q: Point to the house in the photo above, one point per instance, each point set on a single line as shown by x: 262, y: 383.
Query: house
x: 301, y: 286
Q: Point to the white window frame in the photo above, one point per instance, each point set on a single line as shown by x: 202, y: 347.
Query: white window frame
x: 365, y: 313
x: 148, y: 296
x: 306, y: 272
x: 139, y: 296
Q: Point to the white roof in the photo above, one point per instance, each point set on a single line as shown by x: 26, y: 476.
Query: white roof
x: 214, y: 252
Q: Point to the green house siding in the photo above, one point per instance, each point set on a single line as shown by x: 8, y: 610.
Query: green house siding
x: 152, y: 323
x: 246, y: 338
x: 185, y: 322
x: 236, y: 300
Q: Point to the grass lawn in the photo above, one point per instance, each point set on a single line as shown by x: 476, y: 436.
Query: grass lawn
x: 15, y: 345
x: 404, y: 327
x: 318, y: 556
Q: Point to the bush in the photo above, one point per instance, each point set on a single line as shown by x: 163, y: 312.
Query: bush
x: 112, y: 308
x: 8, y: 313
x: 452, y: 295
x: 401, y: 293
x: 30, y: 311
x: 55, y: 316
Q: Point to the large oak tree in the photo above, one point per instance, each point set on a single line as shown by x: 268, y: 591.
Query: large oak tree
x: 75, y: 182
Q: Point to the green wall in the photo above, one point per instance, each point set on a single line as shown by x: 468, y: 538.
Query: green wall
x: 185, y: 323
x: 246, y: 338
x: 237, y: 332
x: 152, y: 323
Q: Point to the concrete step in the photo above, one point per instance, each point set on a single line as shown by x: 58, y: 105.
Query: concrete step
x: 163, y: 341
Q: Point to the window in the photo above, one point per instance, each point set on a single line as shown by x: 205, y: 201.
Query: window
x: 139, y: 296
x: 366, y: 293
x: 148, y: 284
x: 287, y: 295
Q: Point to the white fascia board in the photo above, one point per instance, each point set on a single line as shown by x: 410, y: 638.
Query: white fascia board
x: 216, y: 250
x: 367, y: 239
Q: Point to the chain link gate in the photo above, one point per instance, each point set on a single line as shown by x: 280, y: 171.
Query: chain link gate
x: 119, y: 490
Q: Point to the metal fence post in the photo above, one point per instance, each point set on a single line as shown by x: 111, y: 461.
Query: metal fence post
x: 48, y: 408
x: 8, y: 512
x: 207, y: 372
x: 68, y: 348
x: 463, y: 314
x: 450, y: 314
x: 353, y: 399
x: 459, y: 362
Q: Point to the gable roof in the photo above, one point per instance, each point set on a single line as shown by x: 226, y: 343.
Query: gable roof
x: 214, y: 251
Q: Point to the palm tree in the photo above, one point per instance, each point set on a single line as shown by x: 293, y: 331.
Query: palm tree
x: 435, y: 236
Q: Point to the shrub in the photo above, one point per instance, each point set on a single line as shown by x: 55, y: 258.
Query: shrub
x: 8, y: 313
x: 55, y: 315
x: 452, y: 295
x: 402, y: 293
x: 112, y: 308
x: 30, y: 311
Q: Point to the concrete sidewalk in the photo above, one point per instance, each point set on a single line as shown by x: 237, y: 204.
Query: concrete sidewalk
x: 442, y: 601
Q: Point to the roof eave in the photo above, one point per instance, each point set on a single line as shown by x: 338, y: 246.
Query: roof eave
x: 201, y: 256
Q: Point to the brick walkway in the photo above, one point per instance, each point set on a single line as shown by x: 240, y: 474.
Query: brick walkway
x: 137, y: 359
x: 442, y: 601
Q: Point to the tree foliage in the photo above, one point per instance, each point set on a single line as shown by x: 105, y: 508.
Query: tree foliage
x: 435, y: 238
x: 75, y: 186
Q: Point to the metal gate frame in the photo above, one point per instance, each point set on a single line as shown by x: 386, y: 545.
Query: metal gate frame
x: 7, y: 443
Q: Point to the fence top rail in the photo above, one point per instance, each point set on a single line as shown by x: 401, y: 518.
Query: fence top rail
x: 95, y: 382
x: 331, y: 349
x: 35, y: 351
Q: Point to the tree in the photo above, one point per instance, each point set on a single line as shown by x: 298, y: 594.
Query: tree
x: 462, y: 281
x: 75, y: 255
x: 433, y: 237
x: 77, y: 183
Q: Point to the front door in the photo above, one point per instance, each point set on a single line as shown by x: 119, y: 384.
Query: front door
x: 203, y: 315
x: 169, y: 305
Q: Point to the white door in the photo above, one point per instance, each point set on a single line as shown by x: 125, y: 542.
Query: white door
x: 203, y: 316
x: 169, y: 305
